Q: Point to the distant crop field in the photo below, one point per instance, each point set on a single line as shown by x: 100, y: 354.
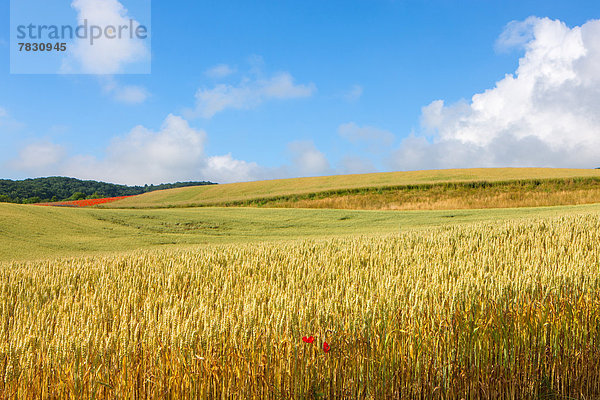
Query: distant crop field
x: 446, y: 196
x: 29, y: 232
x: 484, y: 310
x: 275, y: 192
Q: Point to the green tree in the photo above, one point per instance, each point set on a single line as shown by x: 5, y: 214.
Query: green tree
x: 32, y: 200
x: 78, y: 196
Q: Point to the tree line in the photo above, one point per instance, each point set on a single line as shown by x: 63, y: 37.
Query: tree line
x: 58, y: 188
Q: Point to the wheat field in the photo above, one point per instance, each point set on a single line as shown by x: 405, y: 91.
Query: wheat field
x: 451, y: 196
x: 504, y: 310
x: 327, y: 186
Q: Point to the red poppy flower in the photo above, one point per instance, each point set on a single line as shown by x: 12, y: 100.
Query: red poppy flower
x: 309, y: 339
x: 326, y: 347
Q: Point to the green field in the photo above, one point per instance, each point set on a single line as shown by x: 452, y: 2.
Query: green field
x: 274, y: 189
x: 32, y: 232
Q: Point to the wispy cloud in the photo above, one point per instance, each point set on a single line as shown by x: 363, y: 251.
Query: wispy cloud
x: 248, y: 94
x: 126, y: 94
x: 516, y: 34
x: 37, y: 157
x: 353, y: 94
x: 131, y: 94
x: 7, y: 122
x: 355, y: 165
x: 372, y: 138
x: 219, y: 71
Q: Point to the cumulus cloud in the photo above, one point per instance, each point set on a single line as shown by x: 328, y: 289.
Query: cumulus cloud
x: 175, y: 152
x: 227, y: 169
x: 307, y: 160
x: 545, y: 114
x: 249, y: 93
x: 162, y: 156
x: 219, y: 71
x: 106, y: 55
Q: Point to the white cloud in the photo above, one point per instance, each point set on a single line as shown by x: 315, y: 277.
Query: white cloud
x: 353, y: 94
x: 219, y: 71
x: 227, y: 169
x: 131, y: 94
x: 516, y: 34
x: 374, y: 138
x: 36, y: 157
x: 3, y: 113
x: 249, y: 93
x: 127, y: 94
x: 307, y: 160
x: 282, y: 86
x: 545, y: 114
x: 173, y: 153
x: 105, y: 56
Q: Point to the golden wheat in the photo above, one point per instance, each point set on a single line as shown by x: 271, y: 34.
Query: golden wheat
x: 442, y: 198
x: 508, y: 310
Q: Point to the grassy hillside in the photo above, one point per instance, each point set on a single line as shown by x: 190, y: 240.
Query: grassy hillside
x: 32, y: 232
x: 253, y: 193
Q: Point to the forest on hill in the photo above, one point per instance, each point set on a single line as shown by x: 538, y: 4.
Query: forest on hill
x: 57, y: 188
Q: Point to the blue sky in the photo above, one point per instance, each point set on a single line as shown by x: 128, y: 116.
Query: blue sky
x: 245, y: 90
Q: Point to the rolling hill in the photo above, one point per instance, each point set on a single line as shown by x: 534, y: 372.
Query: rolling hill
x: 168, y: 217
x: 438, y: 189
